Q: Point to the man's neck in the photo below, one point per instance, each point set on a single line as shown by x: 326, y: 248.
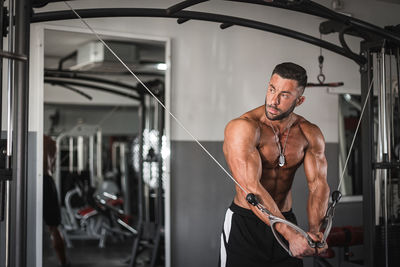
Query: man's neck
x: 281, y: 125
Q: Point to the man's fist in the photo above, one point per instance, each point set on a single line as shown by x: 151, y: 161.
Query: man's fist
x: 300, y: 248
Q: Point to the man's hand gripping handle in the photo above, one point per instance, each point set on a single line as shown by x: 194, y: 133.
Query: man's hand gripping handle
x: 327, y: 222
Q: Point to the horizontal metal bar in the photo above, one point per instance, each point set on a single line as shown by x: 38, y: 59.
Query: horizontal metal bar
x: 146, y: 12
x: 182, y: 5
x: 181, y: 21
x: 79, y: 76
x: 66, y: 86
x: 386, y: 165
x: 315, y: 9
x: 62, y: 82
x: 13, y: 56
x: 351, y: 21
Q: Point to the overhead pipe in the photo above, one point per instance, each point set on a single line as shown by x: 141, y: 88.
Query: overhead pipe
x: 181, y: 21
x: 224, y: 26
x: 182, y: 5
x: 306, y: 7
x: 91, y: 86
x: 66, y: 86
x: 79, y: 76
x: 66, y: 58
x: 148, y: 12
x: 315, y: 9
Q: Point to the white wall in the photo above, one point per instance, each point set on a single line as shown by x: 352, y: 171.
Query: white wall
x: 218, y: 75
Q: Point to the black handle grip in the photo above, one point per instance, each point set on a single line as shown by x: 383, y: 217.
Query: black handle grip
x: 336, y: 196
x: 252, y: 199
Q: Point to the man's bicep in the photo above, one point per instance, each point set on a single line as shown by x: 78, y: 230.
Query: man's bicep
x: 241, y: 152
x: 315, y: 164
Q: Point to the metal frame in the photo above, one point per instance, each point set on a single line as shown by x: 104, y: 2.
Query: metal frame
x: 18, y: 248
x: 303, y: 6
x: 366, y: 157
x: 63, y: 82
x: 75, y: 75
x: 18, y: 245
x: 193, y: 15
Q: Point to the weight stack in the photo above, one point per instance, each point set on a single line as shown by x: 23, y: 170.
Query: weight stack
x: 393, y: 245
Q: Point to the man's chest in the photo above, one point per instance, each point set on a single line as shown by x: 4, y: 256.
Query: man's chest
x: 289, y: 147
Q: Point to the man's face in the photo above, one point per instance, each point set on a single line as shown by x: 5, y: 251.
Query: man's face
x: 282, y: 97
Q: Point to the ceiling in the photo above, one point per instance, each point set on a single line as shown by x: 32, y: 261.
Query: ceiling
x: 60, y: 43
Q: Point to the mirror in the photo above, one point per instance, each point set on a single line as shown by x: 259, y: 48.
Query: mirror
x: 111, y: 151
x: 349, y: 114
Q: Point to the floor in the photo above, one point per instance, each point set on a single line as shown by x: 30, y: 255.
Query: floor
x: 87, y: 254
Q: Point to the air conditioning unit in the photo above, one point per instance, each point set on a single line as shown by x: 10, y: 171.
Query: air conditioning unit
x: 95, y: 57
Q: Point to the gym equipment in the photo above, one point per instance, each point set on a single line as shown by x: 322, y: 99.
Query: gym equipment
x: 150, y: 165
x: 13, y: 175
x: 309, y: 7
x: 251, y: 198
x: 97, y: 216
x: 321, y: 75
x: 83, y: 145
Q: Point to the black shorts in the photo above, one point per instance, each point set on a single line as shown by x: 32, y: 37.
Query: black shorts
x: 51, y: 208
x: 246, y: 241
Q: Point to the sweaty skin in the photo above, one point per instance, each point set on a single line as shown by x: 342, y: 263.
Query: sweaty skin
x: 252, y: 155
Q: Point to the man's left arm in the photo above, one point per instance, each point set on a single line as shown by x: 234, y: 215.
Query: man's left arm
x: 315, y: 167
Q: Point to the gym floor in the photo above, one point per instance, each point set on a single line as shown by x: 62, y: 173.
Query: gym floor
x: 87, y: 253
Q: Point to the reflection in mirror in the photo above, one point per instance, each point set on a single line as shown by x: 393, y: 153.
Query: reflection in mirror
x: 111, y: 149
x: 349, y: 114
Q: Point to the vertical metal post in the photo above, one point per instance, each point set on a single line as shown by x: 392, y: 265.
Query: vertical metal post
x: 71, y: 154
x: 159, y: 112
x: 367, y: 144
x: 20, y: 136
x: 99, y: 155
x: 140, y: 227
x: 160, y: 126
x: 2, y: 183
x: 385, y: 145
x: 10, y: 105
x: 124, y: 177
x: 79, y: 155
x: 91, y: 161
x: 142, y: 121
x: 397, y: 58
x: 147, y: 126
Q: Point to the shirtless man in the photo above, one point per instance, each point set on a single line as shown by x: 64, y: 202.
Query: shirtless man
x: 255, y: 146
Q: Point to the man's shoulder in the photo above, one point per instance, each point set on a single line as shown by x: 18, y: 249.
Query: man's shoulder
x: 242, y: 124
x: 242, y: 131
x: 249, y: 120
x: 311, y: 131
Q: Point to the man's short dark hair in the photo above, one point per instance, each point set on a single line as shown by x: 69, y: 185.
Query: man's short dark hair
x: 292, y: 71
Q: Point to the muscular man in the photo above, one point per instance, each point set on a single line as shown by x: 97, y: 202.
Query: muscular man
x: 263, y: 148
x: 51, y: 208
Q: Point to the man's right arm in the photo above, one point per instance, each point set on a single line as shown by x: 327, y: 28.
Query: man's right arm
x: 243, y: 158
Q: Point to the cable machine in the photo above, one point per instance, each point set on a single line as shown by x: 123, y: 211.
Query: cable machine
x: 375, y: 39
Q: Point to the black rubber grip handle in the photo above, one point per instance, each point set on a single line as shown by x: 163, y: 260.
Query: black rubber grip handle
x: 252, y: 199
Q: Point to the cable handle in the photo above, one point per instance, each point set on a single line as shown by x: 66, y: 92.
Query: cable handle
x: 328, y: 219
x: 252, y: 199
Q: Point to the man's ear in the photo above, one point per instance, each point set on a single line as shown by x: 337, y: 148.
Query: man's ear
x: 300, y: 100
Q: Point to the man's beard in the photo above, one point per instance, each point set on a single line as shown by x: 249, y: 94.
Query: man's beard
x: 282, y: 115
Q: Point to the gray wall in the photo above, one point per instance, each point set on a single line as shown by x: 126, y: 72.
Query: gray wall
x: 201, y: 192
